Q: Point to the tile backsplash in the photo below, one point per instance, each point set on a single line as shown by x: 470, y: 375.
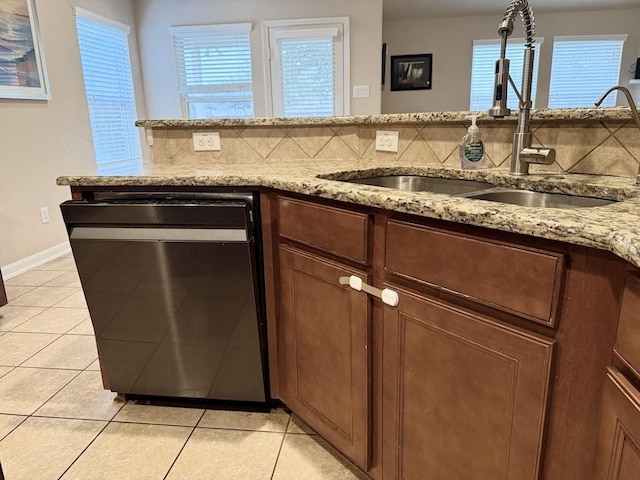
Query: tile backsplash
x: 604, y: 147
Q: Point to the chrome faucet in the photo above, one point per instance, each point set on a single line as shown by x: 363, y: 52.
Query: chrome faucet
x: 522, y: 153
x: 632, y: 106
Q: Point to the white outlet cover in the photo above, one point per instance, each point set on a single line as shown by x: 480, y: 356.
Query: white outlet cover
x: 206, y: 141
x: 386, y: 141
x: 361, y: 91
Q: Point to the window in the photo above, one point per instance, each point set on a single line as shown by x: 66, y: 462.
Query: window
x: 214, y: 70
x: 309, y: 72
x: 104, y: 51
x: 582, y: 68
x: 485, y: 54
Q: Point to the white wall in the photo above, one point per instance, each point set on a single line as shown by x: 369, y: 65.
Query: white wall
x: 450, y: 40
x: 42, y: 140
x: 156, y: 48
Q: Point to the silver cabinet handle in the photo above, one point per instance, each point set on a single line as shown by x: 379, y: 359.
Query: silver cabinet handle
x: 388, y: 296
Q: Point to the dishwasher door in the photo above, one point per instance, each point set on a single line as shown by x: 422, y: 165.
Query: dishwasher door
x: 172, y: 291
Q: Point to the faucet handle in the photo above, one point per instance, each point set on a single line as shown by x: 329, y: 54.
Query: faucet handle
x: 544, y: 156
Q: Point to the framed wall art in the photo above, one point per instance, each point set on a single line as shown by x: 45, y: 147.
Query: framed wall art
x: 22, y: 68
x: 411, y: 72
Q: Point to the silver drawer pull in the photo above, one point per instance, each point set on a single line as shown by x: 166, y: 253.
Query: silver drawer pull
x: 388, y: 296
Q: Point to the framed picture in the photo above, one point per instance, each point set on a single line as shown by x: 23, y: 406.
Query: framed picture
x: 411, y: 72
x: 384, y: 61
x: 22, y: 68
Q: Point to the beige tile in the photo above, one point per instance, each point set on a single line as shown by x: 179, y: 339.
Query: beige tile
x: 24, y: 390
x: 232, y: 455
x: 443, y: 140
x: 83, y: 328
x: 43, y: 448
x: 159, y: 415
x: 418, y: 153
x: 297, y: 426
x: 336, y: 148
x: 75, y: 300
x: 497, y: 142
x: 12, y: 316
x: 274, y: 421
x: 629, y: 137
x: 13, y: 292
x: 44, y: 296
x: 15, y: 348
x: 311, y: 458
x: 287, y: 149
x: 34, y: 278
x: 83, y: 398
x: 68, y: 351
x: 349, y: 135
x: 263, y: 140
x: 610, y: 158
x: 131, y: 451
x: 95, y: 366
x: 65, y: 262
x: 239, y: 152
x: 571, y: 141
x: 311, y: 139
x: 54, y: 320
x: 8, y: 423
x: 67, y: 279
x: 5, y: 370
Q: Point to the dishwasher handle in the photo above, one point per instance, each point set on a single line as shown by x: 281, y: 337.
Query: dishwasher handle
x: 210, y: 235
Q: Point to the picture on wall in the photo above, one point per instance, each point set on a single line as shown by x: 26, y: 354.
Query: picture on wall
x: 22, y: 67
x: 411, y: 72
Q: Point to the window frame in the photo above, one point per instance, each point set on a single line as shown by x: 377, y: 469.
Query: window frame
x: 588, y: 38
x: 186, y: 31
x: 120, y: 166
x: 301, y: 24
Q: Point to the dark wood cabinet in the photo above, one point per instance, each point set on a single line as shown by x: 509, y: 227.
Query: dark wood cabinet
x: 618, y: 452
x: 464, y: 397
x: 324, y: 340
x: 3, y: 293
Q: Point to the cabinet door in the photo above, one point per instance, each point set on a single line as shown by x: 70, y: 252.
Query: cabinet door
x: 463, y: 397
x: 325, y: 336
x: 618, y: 452
x: 3, y: 293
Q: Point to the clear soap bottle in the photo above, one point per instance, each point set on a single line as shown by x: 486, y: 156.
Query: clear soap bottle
x: 471, y: 148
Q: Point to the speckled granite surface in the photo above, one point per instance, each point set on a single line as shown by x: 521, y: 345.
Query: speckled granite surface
x: 561, y: 114
x: 614, y: 227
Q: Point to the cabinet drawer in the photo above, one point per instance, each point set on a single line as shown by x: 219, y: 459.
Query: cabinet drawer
x: 332, y: 230
x: 512, y: 278
x: 628, y: 341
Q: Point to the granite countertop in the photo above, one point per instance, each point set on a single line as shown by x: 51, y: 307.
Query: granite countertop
x: 540, y: 114
x: 613, y: 227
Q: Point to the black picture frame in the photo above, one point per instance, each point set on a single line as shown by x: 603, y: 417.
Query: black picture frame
x: 384, y: 62
x: 411, y: 72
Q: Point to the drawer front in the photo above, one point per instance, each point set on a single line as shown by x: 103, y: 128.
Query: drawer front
x: 628, y: 341
x: 515, y: 279
x: 332, y: 230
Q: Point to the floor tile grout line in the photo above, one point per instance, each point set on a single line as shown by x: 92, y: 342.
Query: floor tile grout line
x: 85, y: 449
x: 284, y: 435
x: 24, y: 419
x: 193, y: 429
x: 78, y: 372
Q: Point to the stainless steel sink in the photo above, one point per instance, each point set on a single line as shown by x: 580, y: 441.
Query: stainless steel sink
x: 526, y: 198
x: 419, y: 183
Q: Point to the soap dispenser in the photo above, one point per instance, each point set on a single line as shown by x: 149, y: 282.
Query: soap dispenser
x: 471, y: 148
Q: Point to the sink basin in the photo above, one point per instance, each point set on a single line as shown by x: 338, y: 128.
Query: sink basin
x: 419, y: 183
x: 526, y: 198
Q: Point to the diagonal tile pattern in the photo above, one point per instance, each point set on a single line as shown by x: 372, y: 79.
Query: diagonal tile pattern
x: 58, y: 422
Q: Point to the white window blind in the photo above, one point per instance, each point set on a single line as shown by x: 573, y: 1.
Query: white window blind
x: 485, y: 54
x: 214, y: 70
x: 106, y: 67
x: 583, y: 68
x: 308, y: 69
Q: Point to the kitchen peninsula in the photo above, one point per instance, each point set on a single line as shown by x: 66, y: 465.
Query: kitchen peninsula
x: 498, y: 360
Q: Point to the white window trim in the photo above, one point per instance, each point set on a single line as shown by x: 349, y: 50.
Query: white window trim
x: 109, y: 22
x: 307, y: 22
x: 182, y: 31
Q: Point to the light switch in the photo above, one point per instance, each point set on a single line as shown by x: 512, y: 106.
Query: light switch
x: 361, y: 91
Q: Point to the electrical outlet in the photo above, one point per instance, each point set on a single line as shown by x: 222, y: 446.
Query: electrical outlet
x: 206, y: 141
x: 386, y: 141
x: 44, y: 214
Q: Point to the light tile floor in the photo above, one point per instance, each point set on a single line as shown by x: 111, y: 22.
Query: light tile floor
x: 57, y: 421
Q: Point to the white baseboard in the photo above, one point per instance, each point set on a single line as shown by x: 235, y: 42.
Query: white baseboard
x: 35, y: 260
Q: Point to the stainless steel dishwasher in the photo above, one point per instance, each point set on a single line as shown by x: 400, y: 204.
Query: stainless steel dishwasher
x: 171, y: 283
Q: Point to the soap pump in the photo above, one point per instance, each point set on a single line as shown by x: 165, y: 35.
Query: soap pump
x: 471, y: 148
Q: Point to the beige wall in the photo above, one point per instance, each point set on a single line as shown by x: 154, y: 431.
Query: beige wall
x: 450, y: 41
x: 42, y: 140
x: 156, y: 48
